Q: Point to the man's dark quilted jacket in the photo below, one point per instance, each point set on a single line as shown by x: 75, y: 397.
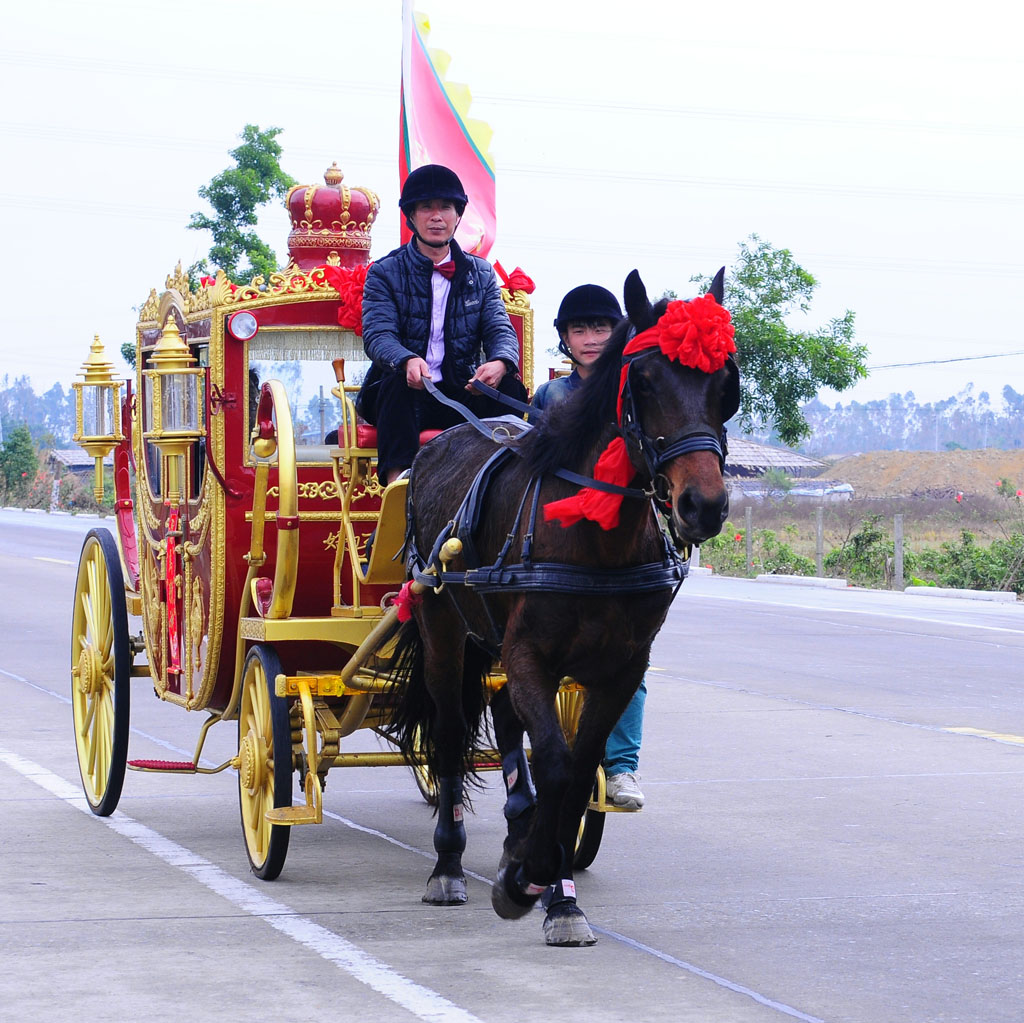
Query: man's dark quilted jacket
x: 397, y: 302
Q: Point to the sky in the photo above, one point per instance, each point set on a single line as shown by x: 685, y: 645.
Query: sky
x: 881, y: 143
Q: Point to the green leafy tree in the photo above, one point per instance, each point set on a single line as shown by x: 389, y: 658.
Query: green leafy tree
x: 235, y: 195
x: 128, y: 350
x: 18, y: 461
x: 782, y: 368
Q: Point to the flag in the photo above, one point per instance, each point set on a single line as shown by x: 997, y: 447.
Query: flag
x: 435, y: 128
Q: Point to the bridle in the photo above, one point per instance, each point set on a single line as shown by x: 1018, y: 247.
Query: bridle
x: 659, y: 451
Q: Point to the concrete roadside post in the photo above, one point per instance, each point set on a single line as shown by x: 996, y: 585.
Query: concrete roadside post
x: 897, y: 571
x: 749, y: 537
x: 819, y: 541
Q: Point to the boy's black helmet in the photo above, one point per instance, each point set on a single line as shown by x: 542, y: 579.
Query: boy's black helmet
x: 587, y: 302
x: 432, y: 181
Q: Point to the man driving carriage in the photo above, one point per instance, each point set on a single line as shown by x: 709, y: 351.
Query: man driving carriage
x: 432, y: 311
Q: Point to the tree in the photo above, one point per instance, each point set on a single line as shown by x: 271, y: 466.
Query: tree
x: 235, y: 195
x: 18, y: 461
x: 782, y: 368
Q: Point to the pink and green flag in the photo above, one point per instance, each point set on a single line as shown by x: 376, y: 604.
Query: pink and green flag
x: 436, y: 128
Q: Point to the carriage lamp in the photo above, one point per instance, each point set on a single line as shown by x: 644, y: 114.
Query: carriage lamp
x: 175, y: 383
x: 97, y: 423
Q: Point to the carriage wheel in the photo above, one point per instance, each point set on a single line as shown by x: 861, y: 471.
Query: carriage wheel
x: 264, y: 779
x: 425, y: 780
x: 569, y: 706
x: 100, y: 672
x: 588, y: 838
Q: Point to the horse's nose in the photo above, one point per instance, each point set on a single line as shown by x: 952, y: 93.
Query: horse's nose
x: 703, y: 514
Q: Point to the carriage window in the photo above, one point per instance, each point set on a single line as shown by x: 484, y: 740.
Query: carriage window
x: 302, y: 360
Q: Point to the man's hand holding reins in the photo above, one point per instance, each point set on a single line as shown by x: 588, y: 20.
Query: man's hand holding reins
x: 489, y: 373
x: 415, y: 370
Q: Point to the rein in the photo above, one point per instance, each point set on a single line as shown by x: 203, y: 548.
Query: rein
x: 488, y: 431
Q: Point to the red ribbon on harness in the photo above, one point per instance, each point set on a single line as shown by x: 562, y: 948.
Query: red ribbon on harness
x: 515, y: 281
x: 699, y: 334
x: 406, y: 600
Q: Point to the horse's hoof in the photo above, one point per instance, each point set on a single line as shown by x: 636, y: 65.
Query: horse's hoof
x: 505, y: 905
x: 446, y: 891
x: 566, y: 926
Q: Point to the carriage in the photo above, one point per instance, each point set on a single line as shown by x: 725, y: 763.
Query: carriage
x: 239, y: 582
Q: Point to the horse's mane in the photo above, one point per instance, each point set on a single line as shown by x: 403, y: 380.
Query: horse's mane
x: 568, y: 431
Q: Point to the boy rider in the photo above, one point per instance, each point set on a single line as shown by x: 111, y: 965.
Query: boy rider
x: 584, y: 323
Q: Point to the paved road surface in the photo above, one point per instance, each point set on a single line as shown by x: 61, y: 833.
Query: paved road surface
x: 834, y: 832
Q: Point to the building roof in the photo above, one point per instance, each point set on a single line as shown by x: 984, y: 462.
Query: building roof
x: 76, y: 459
x: 747, y: 458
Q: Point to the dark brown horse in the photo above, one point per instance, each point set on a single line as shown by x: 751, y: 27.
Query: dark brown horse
x: 552, y: 601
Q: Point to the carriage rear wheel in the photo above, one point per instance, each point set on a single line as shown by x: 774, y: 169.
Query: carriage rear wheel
x: 569, y: 706
x: 264, y: 763
x: 100, y: 672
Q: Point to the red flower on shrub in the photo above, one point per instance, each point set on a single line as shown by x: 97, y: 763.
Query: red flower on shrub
x: 738, y: 537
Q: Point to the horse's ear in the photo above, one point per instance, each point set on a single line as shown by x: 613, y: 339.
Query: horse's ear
x: 717, y: 288
x: 638, y: 308
x: 730, y: 390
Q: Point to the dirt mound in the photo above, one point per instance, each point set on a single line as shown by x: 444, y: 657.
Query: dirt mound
x: 928, y: 473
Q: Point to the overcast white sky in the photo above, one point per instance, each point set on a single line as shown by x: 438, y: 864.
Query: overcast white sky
x: 881, y: 142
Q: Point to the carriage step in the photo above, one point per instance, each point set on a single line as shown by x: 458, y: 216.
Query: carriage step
x: 293, y: 815
x: 179, y: 766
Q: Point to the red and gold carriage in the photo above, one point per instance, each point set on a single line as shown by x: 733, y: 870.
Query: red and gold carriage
x: 238, y: 582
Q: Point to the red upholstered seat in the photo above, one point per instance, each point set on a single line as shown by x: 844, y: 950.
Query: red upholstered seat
x: 366, y: 436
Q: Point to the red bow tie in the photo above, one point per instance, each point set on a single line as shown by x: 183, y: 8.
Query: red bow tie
x: 447, y: 268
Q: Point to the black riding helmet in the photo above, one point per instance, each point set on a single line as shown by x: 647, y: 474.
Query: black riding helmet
x: 433, y: 181
x: 587, y: 302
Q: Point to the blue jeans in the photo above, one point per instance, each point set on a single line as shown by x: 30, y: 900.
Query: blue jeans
x: 622, y: 751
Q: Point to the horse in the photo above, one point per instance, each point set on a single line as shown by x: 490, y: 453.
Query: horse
x: 555, y: 600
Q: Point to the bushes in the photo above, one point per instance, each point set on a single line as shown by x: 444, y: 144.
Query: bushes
x: 865, y: 557
x: 727, y: 553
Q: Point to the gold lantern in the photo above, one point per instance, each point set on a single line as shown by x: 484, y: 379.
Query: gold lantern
x: 97, y: 411
x: 176, y: 390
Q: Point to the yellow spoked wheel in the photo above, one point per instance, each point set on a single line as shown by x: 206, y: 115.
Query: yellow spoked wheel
x: 569, y: 706
x: 100, y: 672
x: 264, y: 763
x: 425, y: 780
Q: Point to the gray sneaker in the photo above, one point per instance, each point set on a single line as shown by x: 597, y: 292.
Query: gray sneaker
x: 624, y: 790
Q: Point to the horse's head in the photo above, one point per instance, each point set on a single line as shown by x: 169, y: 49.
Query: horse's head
x: 674, y: 415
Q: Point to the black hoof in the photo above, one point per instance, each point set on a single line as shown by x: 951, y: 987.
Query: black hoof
x: 446, y: 891
x: 510, y: 905
x: 565, y: 926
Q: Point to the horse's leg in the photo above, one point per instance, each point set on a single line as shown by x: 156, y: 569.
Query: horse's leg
x: 520, y: 798
x: 565, y: 924
x: 537, y: 862
x: 443, y: 662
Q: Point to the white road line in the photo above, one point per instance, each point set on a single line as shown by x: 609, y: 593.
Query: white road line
x: 422, y: 1002
x: 53, y: 561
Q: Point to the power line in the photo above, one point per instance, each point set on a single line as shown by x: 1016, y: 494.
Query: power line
x: 938, y: 362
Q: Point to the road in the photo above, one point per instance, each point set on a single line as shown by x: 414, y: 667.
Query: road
x: 833, y: 832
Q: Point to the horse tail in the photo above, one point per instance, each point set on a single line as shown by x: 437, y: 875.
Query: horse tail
x: 413, y: 724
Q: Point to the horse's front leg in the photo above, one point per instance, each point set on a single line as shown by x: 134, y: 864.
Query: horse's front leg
x: 520, y: 797
x: 535, y: 863
x: 565, y: 923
